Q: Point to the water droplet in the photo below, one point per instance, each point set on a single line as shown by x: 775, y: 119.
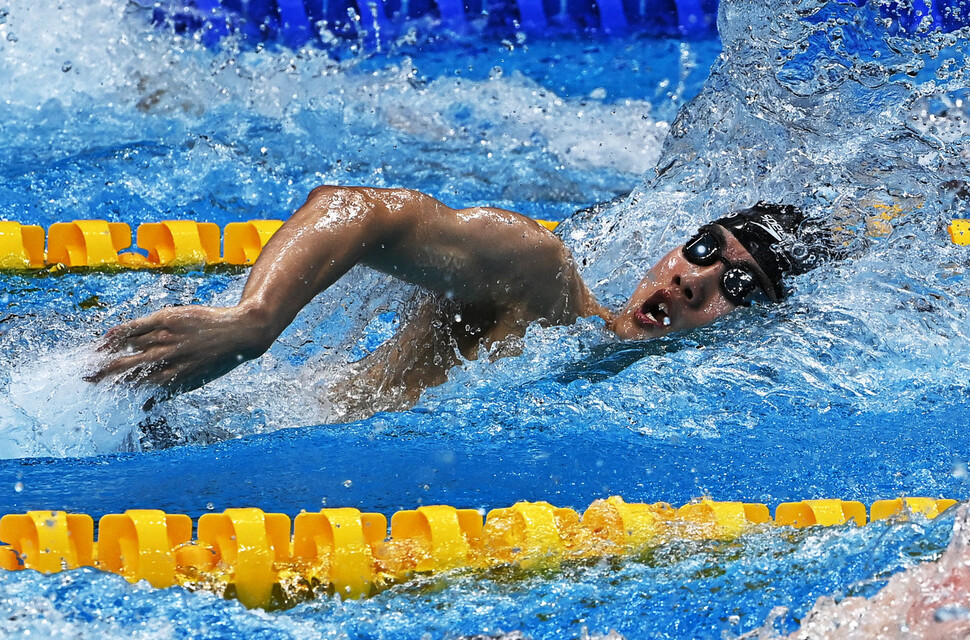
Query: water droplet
x: 67, y: 66
x: 959, y: 470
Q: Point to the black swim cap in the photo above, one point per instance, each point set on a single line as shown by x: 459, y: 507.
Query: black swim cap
x: 772, y: 234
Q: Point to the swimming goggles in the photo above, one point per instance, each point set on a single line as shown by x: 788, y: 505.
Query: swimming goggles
x: 738, y: 282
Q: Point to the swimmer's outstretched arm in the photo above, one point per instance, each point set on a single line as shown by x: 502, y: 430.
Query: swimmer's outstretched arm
x: 476, y: 256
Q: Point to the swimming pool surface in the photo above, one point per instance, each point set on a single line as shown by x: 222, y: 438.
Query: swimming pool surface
x: 856, y: 387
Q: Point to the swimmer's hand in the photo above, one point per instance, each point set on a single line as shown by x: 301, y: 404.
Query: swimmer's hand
x: 181, y: 348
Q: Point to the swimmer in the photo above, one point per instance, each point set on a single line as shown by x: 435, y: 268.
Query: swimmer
x: 488, y: 274
x: 930, y: 601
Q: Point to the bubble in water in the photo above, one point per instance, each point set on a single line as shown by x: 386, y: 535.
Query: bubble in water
x: 209, y: 506
x: 18, y: 487
x: 348, y: 483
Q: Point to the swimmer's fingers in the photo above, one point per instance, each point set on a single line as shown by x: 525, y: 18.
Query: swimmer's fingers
x: 179, y: 348
x: 119, y: 337
x: 133, y: 368
x: 156, y: 337
x: 159, y: 367
x: 139, y: 342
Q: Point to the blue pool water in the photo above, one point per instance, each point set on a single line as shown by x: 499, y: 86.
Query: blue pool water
x: 856, y: 387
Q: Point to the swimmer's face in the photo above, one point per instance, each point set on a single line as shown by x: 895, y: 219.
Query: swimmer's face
x: 677, y: 294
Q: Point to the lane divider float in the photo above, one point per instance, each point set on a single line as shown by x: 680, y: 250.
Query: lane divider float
x: 960, y: 232
x: 264, y: 560
x: 171, y: 243
x: 108, y: 245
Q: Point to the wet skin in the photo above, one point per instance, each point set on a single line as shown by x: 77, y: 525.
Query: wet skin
x: 677, y: 295
x: 497, y: 270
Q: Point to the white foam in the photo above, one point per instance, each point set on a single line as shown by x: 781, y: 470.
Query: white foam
x: 52, y: 411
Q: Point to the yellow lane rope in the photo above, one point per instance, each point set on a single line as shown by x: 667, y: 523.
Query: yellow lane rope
x: 264, y: 560
x: 107, y: 245
x: 172, y: 243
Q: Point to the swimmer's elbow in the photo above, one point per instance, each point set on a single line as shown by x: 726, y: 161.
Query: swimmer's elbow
x: 326, y: 193
x: 383, y: 209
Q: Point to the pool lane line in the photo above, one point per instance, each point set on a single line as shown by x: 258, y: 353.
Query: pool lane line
x: 107, y: 245
x: 265, y: 561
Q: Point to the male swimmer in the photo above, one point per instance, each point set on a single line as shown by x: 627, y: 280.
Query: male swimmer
x: 489, y: 273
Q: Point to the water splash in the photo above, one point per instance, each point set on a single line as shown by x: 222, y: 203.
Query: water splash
x: 862, y: 372
x: 830, y: 110
x: 52, y: 411
x: 769, y: 125
x: 826, y: 111
x: 130, y: 124
x: 134, y: 125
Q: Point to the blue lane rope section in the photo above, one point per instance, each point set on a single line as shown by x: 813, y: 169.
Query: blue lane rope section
x: 296, y: 23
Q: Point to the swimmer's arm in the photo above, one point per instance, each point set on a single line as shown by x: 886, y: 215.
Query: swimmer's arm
x: 479, y: 256
x: 182, y: 348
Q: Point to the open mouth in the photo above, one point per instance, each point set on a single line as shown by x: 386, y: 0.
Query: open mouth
x: 655, y: 312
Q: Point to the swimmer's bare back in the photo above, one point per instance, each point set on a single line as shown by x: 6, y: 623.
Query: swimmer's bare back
x: 502, y: 270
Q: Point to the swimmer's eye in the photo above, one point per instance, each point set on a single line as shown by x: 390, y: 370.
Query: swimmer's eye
x: 703, y: 250
x: 738, y: 285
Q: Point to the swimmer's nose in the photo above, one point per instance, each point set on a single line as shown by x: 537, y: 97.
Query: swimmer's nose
x: 694, y: 286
